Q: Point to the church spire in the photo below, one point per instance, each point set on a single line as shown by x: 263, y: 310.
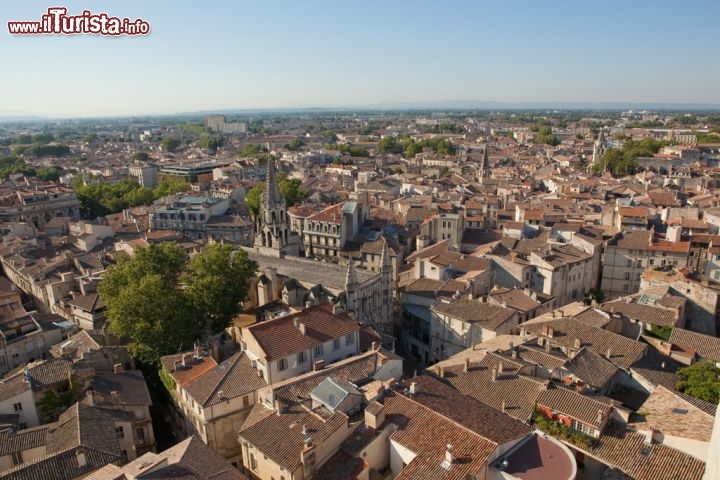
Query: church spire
x: 272, y: 195
x: 351, y: 287
x: 385, y: 256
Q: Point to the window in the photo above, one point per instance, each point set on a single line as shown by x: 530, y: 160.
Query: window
x: 17, y: 407
x: 282, y: 364
x: 253, y: 462
x: 639, y: 264
x: 318, y: 350
x: 627, y: 275
x: 336, y: 344
x: 651, y: 261
x: 301, y: 357
x: 349, y: 339
x: 629, y: 263
x: 119, y: 432
x: 581, y: 427
x: 246, y: 401
x: 625, y: 288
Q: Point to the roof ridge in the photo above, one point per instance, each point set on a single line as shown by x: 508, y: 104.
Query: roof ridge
x: 433, y: 412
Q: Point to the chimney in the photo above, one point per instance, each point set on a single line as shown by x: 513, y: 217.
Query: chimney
x: 466, y: 365
x: 373, y: 346
x: 441, y: 372
x: 600, y: 417
x: 578, y: 343
x: 494, y: 374
x: 523, y: 332
x: 608, y: 354
x: 449, y: 456
x: 319, y: 365
x: 304, y: 431
x: 80, y: 457
x: 118, y: 368
x: 337, y: 309
x: 302, y: 329
x: 500, y: 368
x: 91, y: 398
x: 375, y: 416
x: 551, y: 331
x: 414, y: 388
x: 502, y: 407
x: 114, y: 396
x: 513, y: 354
x: 548, y: 346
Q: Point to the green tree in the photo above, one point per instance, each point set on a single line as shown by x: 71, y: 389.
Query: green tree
x: 294, y: 144
x: 51, y: 174
x: 388, y: 145
x: 700, y: 380
x: 291, y: 190
x: 169, y: 185
x: 146, y: 305
x: 252, y: 198
x: 218, y: 280
x: 413, y: 149
x: 170, y: 144
x: 209, y: 143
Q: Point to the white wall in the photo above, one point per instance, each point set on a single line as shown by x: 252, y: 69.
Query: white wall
x: 399, y: 455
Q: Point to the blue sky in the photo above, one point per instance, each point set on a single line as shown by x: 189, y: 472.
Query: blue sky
x: 215, y: 55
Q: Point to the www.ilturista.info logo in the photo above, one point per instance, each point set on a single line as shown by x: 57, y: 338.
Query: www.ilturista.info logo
x: 57, y: 21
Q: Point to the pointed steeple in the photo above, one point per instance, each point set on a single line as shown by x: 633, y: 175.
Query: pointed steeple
x: 272, y: 194
x: 385, y: 256
x: 350, y: 276
x: 351, y: 287
x: 485, y: 164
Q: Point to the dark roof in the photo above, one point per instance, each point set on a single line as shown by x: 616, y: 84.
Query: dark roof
x: 130, y: 386
x: 575, y: 405
x: 231, y: 378
x: 22, y: 440
x: 467, y: 411
x: 705, y: 345
x: 592, y: 368
x: 473, y: 311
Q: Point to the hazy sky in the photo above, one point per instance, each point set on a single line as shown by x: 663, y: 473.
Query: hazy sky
x: 248, y: 54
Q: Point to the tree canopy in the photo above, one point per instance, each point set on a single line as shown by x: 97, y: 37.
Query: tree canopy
x: 290, y: 189
x: 163, y: 303
x: 622, y: 162
x: 170, y: 144
x: 700, y: 380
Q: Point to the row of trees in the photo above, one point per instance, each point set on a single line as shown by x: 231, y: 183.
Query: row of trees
x: 544, y: 136
x: 98, y: 198
x: 163, y: 302
x: 12, y: 165
x: 39, y: 150
x: 352, y: 150
x: 622, y: 162
x: 408, y: 147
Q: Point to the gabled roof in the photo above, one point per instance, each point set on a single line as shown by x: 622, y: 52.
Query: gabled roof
x: 705, y: 345
x: 279, y: 338
x: 332, y: 391
x: 229, y: 379
x: 591, y: 368
x: 580, y: 407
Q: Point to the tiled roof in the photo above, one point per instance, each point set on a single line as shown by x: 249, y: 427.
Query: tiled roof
x: 517, y: 392
x: 129, y: 386
x: 592, y: 368
x: 332, y: 214
x: 355, y: 370
x: 232, y: 378
x: 575, y: 405
x: 515, y: 299
x: 705, y: 345
x: 474, y: 311
x: 626, y: 450
x: 280, y: 338
x: 415, y: 422
x: 50, y: 372
x: 23, y: 440
x: 467, y: 411
x: 643, y: 313
x: 623, y: 351
x: 193, y: 369
x: 672, y: 414
x: 190, y: 459
x: 89, y: 303
x: 284, y: 448
x: 593, y: 317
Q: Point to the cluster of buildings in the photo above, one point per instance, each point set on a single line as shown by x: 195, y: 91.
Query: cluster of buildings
x: 499, y: 312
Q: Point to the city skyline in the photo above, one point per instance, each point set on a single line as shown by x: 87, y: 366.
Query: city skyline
x: 222, y: 57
